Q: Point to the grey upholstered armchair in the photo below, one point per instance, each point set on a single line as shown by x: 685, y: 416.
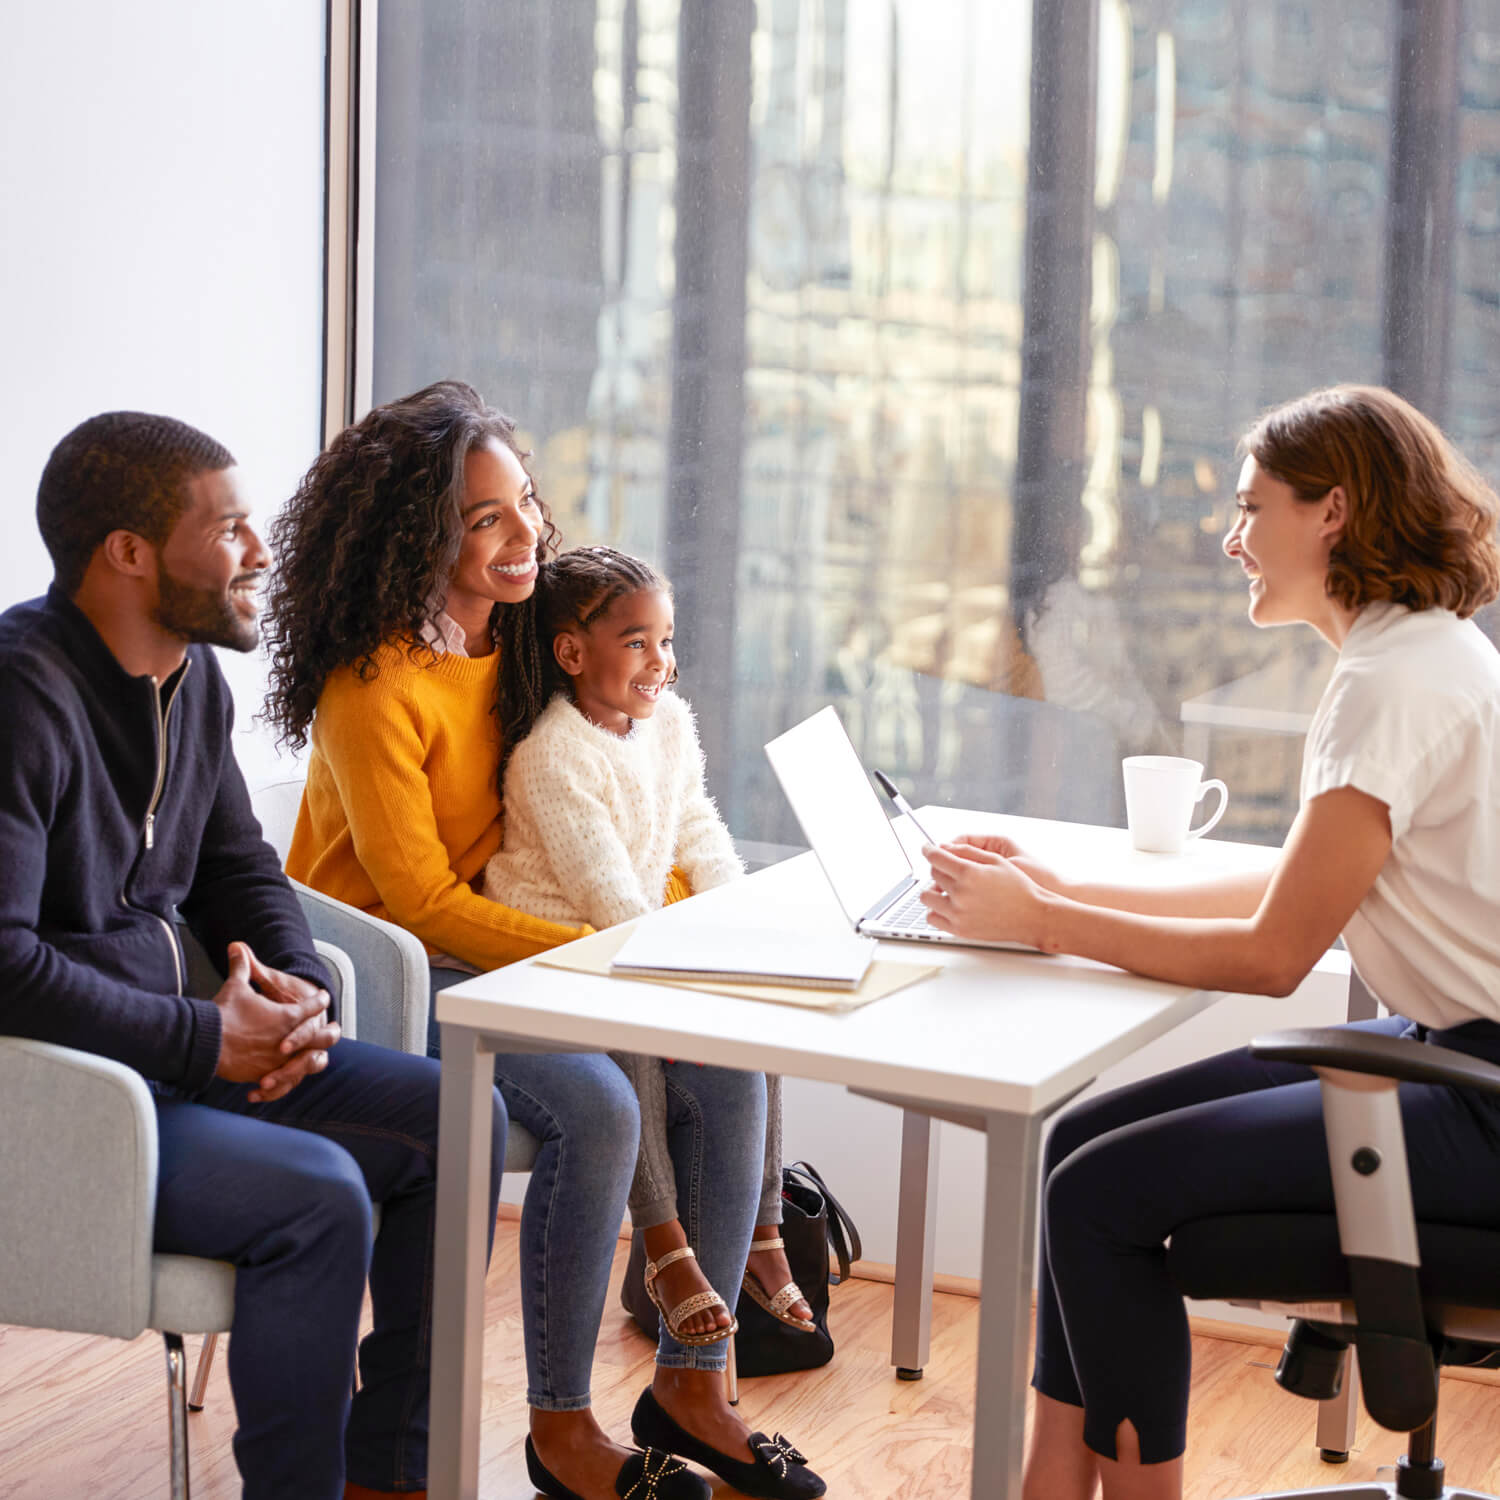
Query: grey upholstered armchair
x: 78, y: 1206
x: 81, y: 1260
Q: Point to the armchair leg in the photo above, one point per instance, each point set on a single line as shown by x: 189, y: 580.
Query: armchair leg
x: 200, y: 1375
x: 177, y: 1415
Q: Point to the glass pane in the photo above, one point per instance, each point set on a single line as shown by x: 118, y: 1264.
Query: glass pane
x: 913, y: 337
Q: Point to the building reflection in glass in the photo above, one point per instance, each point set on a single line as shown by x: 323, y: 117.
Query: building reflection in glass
x: 913, y: 336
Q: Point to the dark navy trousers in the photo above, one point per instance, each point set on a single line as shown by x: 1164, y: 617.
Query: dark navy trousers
x: 284, y: 1191
x: 1230, y: 1134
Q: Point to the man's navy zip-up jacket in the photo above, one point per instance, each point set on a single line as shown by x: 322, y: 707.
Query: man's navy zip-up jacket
x: 107, y: 835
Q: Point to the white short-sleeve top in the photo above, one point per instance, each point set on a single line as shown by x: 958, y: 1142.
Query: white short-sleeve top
x: 1411, y: 715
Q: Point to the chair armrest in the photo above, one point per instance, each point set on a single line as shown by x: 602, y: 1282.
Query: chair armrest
x: 1359, y: 1075
x: 340, y: 985
x: 1398, y: 1057
x: 77, y: 1192
x: 391, y: 965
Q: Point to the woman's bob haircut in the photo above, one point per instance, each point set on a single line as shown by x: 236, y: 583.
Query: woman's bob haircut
x: 1421, y: 518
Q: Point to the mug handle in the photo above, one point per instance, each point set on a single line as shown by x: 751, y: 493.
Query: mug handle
x: 1210, y: 786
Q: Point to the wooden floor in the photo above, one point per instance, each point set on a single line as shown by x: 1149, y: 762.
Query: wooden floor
x: 87, y: 1417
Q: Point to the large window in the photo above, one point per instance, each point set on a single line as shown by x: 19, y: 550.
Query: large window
x: 912, y: 337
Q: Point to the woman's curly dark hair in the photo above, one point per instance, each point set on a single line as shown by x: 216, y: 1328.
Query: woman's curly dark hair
x: 368, y: 542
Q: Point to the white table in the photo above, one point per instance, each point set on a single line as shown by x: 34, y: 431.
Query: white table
x: 997, y: 1041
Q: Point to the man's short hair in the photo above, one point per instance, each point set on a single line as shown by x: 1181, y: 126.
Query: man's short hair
x: 120, y: 471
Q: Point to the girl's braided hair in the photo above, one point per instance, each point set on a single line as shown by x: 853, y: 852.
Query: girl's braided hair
x: 368, y: 542
x: 572, y: 591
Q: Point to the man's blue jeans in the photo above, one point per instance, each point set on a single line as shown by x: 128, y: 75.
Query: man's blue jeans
x: 283, y: 1190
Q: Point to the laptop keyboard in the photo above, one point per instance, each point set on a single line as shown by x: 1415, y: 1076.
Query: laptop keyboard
x: 908, y: 915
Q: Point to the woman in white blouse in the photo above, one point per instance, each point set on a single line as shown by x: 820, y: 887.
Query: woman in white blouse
x: 1356, y: 517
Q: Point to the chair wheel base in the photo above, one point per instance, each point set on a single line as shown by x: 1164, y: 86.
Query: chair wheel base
x: 1334, y: 1455
x: 904, y: 1373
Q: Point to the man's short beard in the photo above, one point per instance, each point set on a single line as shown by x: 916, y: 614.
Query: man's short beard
x: 202, y: 616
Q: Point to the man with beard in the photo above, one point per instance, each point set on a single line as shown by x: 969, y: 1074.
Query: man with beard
x: 122, y: 813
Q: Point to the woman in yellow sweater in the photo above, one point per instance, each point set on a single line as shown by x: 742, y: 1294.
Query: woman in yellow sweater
x: 406, y: 565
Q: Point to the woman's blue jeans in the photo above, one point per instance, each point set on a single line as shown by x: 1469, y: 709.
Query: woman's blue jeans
x: 583, y: 1113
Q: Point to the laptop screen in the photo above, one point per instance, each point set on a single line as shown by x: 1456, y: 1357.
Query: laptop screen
x: 839, y: 811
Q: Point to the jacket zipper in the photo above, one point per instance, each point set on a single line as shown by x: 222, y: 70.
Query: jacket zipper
x: 163, y: 719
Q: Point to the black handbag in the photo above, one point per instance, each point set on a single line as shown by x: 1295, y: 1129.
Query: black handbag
x: 813, y: 1220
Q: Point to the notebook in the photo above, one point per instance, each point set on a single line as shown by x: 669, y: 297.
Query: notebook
x: 684, y: 950
x: 593, y: 955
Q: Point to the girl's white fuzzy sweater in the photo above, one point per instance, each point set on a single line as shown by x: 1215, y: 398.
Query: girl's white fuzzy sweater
x: 594, y: 821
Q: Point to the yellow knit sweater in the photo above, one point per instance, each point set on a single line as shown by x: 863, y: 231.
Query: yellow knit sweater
x: 401, y: 809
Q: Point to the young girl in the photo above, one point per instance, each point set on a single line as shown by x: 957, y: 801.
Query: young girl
x: 607, y: 817
x: 1357, y: 518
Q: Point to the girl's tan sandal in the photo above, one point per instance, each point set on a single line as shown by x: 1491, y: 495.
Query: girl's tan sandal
x: 789, y: 1294
x: 698, y: 1302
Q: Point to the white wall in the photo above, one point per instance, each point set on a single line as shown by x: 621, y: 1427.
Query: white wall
x: 161, y: 191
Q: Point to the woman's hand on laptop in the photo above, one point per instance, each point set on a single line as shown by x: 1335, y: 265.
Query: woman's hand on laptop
x: 979, y: 892
x: 997, y: 843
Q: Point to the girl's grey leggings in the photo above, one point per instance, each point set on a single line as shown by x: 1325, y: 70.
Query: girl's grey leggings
x: 653, y: 1193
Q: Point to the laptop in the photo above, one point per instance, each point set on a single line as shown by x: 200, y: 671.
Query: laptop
x: 845, y: 823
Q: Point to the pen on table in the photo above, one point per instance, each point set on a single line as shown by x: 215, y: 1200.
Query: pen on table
x: 891, y: 790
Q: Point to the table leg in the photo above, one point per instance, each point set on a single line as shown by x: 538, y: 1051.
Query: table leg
x: 459, y: 1259
x: 1010, y: 1196
x: 1338, y: 1415
x: 1363, y: 1006
x: 916, y: 1226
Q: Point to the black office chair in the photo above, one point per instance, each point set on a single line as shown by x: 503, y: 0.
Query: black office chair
x: 1408, y: 1296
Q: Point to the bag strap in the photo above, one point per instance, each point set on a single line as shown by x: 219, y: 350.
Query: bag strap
x: 843, y: 1233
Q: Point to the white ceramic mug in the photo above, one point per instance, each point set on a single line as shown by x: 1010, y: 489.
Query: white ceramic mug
x: 1161, y: 792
